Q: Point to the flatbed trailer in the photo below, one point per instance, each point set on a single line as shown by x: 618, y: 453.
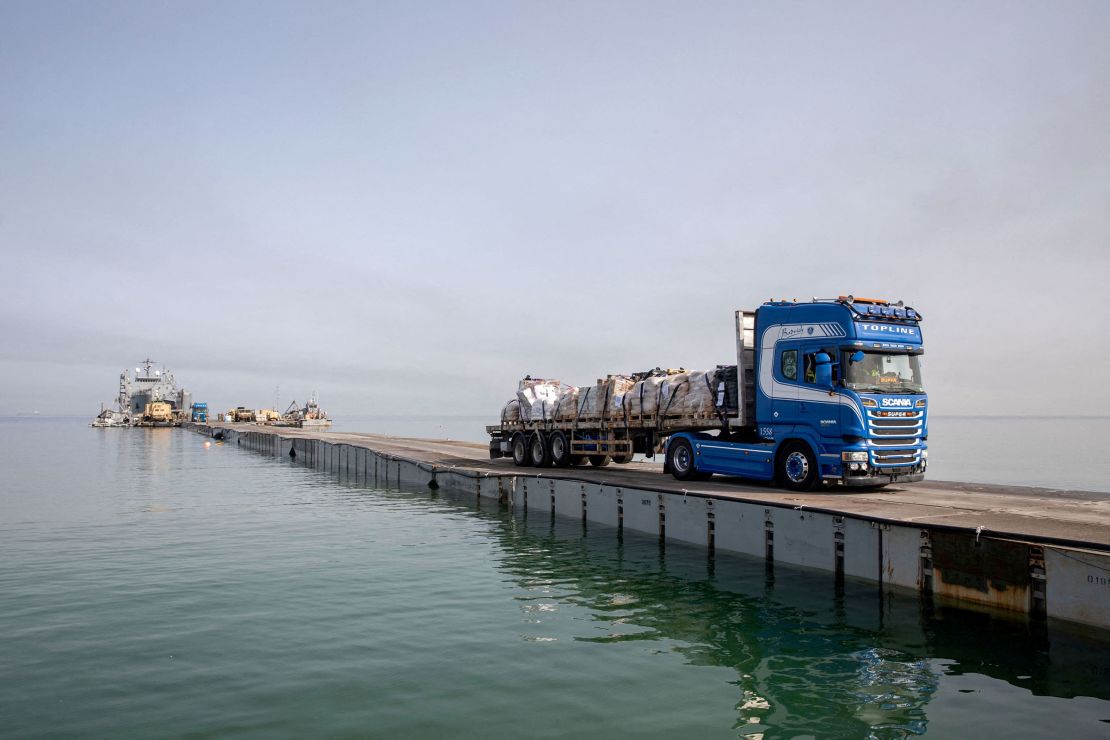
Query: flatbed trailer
x: 601, y: 439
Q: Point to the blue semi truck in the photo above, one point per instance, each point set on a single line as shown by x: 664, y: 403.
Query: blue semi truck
x: 832, y: 392
x: 826, y: 392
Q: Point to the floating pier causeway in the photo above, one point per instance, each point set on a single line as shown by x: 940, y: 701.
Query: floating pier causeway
x: 1039, y: 552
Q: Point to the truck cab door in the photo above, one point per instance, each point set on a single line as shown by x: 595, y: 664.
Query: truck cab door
x: 817, y: 407
x: 785, y: 409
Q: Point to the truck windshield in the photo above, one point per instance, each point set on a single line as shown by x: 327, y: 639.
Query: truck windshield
x: 883, y: 372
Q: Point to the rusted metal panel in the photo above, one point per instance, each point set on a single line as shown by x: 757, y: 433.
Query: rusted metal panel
x: 981, y: 570
x: 861, y: 549
x: 903, y: 550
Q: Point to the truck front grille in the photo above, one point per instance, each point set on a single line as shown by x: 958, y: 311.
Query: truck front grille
x: 891, y: 432
x: 895, y: 457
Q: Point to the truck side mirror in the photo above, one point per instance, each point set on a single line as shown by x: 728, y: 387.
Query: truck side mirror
x: 857, y: 356
x: 823, y: 370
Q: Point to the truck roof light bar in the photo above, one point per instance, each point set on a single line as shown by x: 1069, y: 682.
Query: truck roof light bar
x: 854, y: 299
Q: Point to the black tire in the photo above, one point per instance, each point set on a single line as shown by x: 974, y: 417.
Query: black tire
x: 680, y: 460
x: 622, y: 459
x: 796, y: 467
x: 600, y: 461
x: 576, y: 460
x: 560, y: 449
x: 519, y: 447
x: 538, y: 453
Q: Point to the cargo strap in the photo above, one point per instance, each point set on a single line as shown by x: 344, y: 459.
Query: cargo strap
x: 661, y: 411
x: 718, y: 397
x: 582, y: 402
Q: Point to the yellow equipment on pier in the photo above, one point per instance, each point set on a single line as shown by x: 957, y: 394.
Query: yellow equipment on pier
x: 158, y: 412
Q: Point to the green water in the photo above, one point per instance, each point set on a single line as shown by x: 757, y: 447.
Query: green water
x: 154, y: 587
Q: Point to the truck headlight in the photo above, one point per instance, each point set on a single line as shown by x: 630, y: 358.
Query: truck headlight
x: 856, y: 456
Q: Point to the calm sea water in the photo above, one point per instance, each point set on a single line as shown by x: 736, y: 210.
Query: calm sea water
x: 151, y: 586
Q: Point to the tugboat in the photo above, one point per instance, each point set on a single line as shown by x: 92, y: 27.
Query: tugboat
x: 308, y: 416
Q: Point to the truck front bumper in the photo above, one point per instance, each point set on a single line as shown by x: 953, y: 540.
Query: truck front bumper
x: 878, y: 479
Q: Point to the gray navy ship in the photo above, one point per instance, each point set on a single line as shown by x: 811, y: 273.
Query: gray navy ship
x: 148, y: 398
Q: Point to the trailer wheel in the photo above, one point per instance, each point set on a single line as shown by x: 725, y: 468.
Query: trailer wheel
x: 576, y: 460
x: 600, y: 461
x: 560, y: 449
x: 538, y: 453
x: 622, y: 459
x: 520, y: 450
x: 796, y: 467
x: 680, y: 460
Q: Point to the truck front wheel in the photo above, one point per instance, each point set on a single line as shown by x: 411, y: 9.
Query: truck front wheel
x: 797, y: 467
x: 600, y: 461
x: 680, y: 459
x: 520, y: 450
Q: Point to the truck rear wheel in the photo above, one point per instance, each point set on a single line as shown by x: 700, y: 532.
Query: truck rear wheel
x: 622, y: 459
x: 577, y: 460
x: 538, y: 453
x: 560, y: 449
x: 520, y: 450
x: 796, y: 467
x: 600, y: 461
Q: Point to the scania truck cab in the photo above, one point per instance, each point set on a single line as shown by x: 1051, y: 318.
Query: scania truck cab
x: 832, y: 394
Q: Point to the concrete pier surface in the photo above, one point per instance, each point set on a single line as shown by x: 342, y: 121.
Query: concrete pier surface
x: 1040, y: 552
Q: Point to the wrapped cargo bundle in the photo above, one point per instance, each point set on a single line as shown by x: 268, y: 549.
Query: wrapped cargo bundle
x: 688, y: 394
x: 566, y: 407
x: 644, y: 397
x: 605, y: 400
x: 511, y: 411
x: 537, y: 398
x: 671, y: 393
x: 619, y: 386
x: 700, y: 394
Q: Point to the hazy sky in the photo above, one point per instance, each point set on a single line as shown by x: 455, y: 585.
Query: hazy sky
x: 408, y: 206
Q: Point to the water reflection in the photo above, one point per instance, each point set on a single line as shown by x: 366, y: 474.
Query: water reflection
x: 808, y: 657
x: 811, y: 657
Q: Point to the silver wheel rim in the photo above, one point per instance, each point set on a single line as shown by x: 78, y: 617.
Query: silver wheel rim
x: 797, y: 466
x: 681, y: 459
x: 537, y: 451
x: 557, y: 448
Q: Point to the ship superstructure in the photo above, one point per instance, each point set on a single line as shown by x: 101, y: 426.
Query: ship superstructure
x: 150, y: 397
